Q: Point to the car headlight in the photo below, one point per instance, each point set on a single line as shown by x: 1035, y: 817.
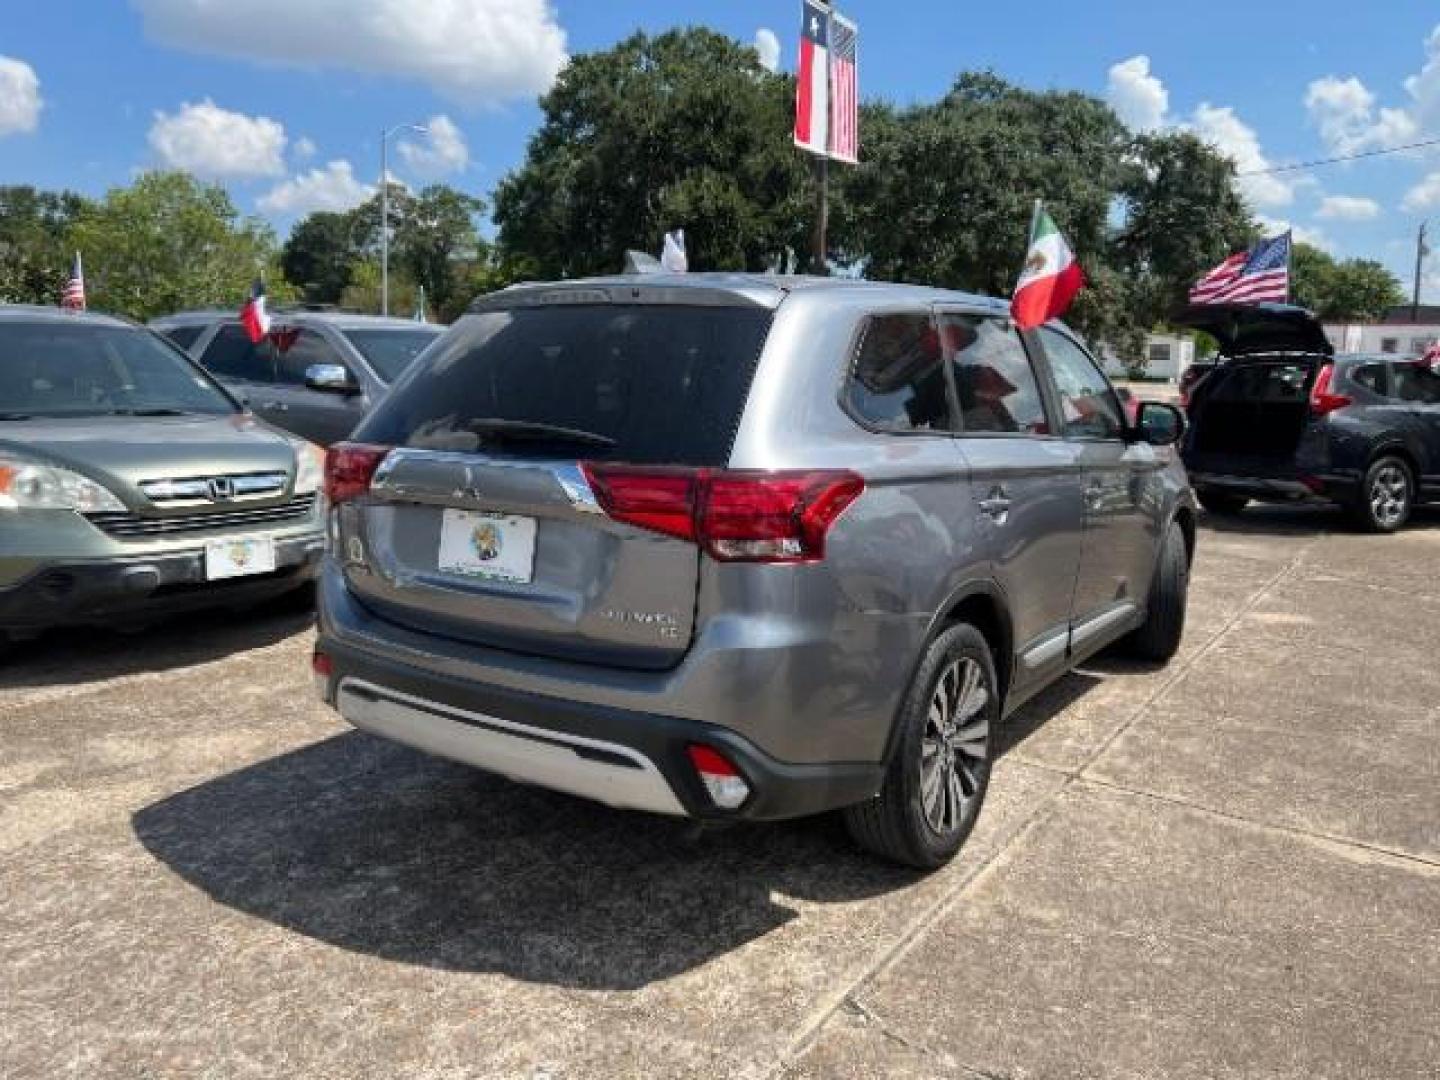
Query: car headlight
x: 309, y: 468
x: 30, y: 485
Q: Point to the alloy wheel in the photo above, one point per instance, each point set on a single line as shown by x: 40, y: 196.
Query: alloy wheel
x: 1389, y: 496
x: 955, y: 753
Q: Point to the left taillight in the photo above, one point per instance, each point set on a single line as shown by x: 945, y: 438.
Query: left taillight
x: 734, y: 515
x: 349, y: 468
x: 322, y: 670
x: 1323, y: 400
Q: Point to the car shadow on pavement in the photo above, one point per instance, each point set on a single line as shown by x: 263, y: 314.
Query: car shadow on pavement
x: 76, y: 656
x: 372, y: 847
x: 1259, y: 519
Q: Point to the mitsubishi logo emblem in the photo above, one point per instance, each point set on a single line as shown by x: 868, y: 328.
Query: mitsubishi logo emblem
x: 222, y: 489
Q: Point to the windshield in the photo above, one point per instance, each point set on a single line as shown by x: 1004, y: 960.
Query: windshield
x: 389, y: 352
x: 660, y: 384
x: 51, y: 369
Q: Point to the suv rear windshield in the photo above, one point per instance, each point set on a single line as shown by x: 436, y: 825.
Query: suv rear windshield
x: 660, y: 384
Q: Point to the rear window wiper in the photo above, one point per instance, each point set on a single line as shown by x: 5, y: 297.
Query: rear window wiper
x: 14, y: 416
x: 148, y: 412
x: 527, y: 430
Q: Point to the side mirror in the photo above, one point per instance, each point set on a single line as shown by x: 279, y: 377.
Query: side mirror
x: 332, y: 378
x: 1158, y: 424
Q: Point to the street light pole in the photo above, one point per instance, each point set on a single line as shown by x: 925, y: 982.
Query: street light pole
x: 385, y: 210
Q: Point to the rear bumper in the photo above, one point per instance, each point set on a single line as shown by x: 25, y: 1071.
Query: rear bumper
x: 614, y: 756
x: 77, y: 592
x: 1323, y: 488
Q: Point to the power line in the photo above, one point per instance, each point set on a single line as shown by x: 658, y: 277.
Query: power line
x: 1337, y: 160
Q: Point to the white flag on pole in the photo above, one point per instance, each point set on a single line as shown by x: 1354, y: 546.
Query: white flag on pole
x: 673, y: 258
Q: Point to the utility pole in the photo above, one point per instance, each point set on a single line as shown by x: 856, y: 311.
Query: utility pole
x: 385, y: 211
x: 819, y: 263
x: 1420, y: 252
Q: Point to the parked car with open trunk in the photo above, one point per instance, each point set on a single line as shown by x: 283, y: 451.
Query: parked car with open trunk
x: 1282, y: 419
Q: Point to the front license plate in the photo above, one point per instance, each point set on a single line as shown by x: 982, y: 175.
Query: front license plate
x: 239, y: 557
x: 496, y: 546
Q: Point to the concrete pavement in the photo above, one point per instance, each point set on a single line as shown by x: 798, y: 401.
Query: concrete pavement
x: 1229, y: 867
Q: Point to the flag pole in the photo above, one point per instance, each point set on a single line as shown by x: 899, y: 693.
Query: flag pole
x: 821, y: 241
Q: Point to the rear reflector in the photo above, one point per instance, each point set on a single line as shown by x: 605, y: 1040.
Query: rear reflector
x: 349, y: 468
x: 728, y: 789
x: 735, y: 515
x: 321, y: 669
x: 1322, y: 401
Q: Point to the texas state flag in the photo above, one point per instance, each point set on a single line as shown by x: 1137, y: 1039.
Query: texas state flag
x: 253, y: 315
x: 812, y: 91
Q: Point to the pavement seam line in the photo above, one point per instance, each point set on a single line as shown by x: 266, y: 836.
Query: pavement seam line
x: 1264, y: 826
x: 810, y: 1030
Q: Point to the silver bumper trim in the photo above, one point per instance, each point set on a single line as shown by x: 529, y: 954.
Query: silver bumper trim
x: 531, y: 755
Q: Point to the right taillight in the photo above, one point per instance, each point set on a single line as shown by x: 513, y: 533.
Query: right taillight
x: 349, y: 468
x: 735, y: 515
x: 1322, y: 400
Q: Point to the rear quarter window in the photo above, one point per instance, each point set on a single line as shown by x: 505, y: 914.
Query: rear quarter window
x: 667, y: 383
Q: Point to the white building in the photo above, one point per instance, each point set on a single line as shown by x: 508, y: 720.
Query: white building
x: 1399, y: 332
x: 1168, y: 355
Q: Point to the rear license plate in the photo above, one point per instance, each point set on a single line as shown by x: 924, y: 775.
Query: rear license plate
x: 496, y: 546
x: 239, y: 556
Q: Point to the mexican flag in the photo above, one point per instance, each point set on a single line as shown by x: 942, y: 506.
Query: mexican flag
x: 1051, y: 277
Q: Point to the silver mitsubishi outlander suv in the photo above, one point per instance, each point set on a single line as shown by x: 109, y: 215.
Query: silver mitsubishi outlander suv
x: 743, y: 548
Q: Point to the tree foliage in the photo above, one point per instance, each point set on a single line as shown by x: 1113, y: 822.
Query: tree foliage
x: 169, y: 242
x: 34, y: 233
x: 1353, y: 290
x: 683, y: 129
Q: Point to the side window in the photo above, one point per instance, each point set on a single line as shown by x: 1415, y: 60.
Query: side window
x: 296, y: 350
x: 898, y: 382
x: 1088, y: 404
x: 184, y: 336
x: 1415, y: 383
x: 996, y: 385
x: 1370, y: 377
x: 231, y: 355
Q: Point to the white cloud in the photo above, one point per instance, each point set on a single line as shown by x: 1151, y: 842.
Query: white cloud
x: 1345, y: 113
x: 1423, y: 195
x: 332, y: 188
x: 768, y: 46
x: 1138, y: 97
x: 1237, y: 140
x: 1348, y: 208
x: 215, y: 143
x: 303, y: 149
x: 19, y: 97
x: 1424, y: 88
x: 476, y: 52
x: 441, y: 150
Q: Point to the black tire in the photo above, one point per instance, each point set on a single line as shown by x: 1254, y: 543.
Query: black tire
x: 1221, y: 503
x: 1386, y: 497
x: 1158, y: 639
x: 900, y: 823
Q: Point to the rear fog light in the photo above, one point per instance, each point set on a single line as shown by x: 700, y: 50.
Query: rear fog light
x: 322, y: 669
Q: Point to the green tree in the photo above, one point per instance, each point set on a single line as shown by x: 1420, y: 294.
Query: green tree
x: 1181, y: 217
x: 1352, y: 290
x: 320, y: 255
x: 34, y: 261
x: 682, y: 130
x: 169, y: 242
x: 436, y: 241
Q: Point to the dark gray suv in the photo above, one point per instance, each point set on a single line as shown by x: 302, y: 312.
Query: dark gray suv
x: 316, y: 374
x: 736, y: 547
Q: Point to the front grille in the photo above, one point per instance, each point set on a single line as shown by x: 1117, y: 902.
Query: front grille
x: 128, y: 526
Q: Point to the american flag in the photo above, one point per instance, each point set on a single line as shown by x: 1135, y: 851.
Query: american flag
x: 844, y: 91
x: 1257, y: 276
x: 73, y: 297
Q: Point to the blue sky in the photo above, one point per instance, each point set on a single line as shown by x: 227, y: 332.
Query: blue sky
x: 282, y: 100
